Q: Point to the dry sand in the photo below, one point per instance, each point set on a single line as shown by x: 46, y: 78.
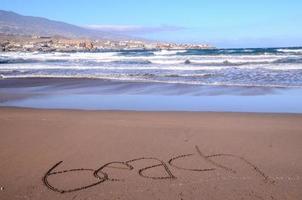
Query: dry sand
x: 155, y: 155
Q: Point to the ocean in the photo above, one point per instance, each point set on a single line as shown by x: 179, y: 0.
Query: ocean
x: 222, y: 80
x: 259, y: 67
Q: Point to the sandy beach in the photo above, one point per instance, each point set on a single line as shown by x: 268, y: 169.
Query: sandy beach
x: 70, y: 154
x: 150, y: 100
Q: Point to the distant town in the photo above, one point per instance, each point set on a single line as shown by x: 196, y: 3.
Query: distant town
x: 62, y: 44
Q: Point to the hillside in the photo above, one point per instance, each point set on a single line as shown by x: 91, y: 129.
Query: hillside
x: 15, y: 24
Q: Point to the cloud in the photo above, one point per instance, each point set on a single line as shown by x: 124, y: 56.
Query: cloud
x: 134, y: 29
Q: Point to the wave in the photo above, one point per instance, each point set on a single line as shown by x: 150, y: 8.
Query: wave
x: 145, y: 65
x: 117, y: 57
x: 59, y: 56
x: 19, y: 60
x: 289, y: 60
x: 169, y: 52
x: 248, y: 50
x: 167, y: 62
x: 145, y: 78
x: 262, y: 67
x: 26, y: 60
x: 203, y: 61
x: 132, y: 62
x: 229, y: 62
x: 134, y: 75
x: 39, y: 66
x: 204, y: 75
x: 218, y: 61
x: 290, y: 50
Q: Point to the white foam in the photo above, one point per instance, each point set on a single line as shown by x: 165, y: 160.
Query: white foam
x: 37, y: 66
x: 156, y: 59
x: 290, y: 50
x: 167, y: 62
x: 232, y: 61
x: 164, y: 65
x: 135, y: 79
x: 213, y: 59
x: 248, y: 50
x: 61, y: 56
x: 280, y: 67
x: 168, y: 52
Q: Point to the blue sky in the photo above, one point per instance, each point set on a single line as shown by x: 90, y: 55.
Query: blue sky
x: 224, y: 23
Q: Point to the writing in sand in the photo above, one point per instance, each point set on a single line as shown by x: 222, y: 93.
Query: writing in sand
x: 101, y: 176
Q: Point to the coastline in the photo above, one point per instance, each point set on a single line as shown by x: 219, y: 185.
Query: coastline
x: 100, y: 94
x: 33, y: 140
x: 153, y: 100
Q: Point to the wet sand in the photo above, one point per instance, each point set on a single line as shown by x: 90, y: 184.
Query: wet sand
x: 149, y: 155
x: 96, y: 94
x: 37, y: 86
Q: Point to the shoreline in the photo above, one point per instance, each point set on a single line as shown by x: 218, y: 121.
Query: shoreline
x: 86, y: 94
x: 150, y: 111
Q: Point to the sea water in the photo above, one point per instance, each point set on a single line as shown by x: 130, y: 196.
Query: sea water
x: 180, y: 74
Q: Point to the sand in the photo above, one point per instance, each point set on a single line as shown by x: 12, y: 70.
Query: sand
x: 149, y: 155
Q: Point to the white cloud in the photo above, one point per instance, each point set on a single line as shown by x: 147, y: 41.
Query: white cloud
x: 134, y: 29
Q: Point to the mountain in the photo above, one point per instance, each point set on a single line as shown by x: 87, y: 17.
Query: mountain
x: 15, y: 24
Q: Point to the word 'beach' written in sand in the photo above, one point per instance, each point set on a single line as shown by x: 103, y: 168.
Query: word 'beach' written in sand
x: 101, y: 176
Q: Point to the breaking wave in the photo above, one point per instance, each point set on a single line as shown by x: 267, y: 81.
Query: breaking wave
x: 280, y: 67
x: 169, y: 52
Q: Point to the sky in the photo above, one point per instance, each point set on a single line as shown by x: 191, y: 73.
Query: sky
x: 221, y: 23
